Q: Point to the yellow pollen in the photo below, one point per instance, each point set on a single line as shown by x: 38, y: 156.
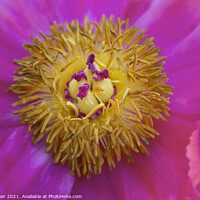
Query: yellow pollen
x: 86, y: 116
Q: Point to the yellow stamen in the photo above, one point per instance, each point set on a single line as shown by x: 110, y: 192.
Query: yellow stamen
x: 68, y: 64
x: 101, y: 105
x: 82, y: 118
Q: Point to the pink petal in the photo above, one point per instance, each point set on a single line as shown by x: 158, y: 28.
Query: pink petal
x: 24, y: 18
x: 193, y: 154
x: 169, y: 21
x: 189, y: 192
x: 160, y: 176
x: 124, y: 9
x: 183, y: 69
x: 97, y: 187
x: 134, y: 9
x: 27, y: 169
x: 7, y: 118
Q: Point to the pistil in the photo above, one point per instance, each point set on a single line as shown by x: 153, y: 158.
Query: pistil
x: 90, y: 87
x: 92, y: 92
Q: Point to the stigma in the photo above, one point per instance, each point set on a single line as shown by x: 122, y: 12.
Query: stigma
x: 92, y: 92
x: 89, y: 87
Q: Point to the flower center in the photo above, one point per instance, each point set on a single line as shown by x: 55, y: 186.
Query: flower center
x: 92, y: 92
x: 90, y: 87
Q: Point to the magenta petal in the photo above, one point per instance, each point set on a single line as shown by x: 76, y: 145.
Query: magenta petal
x: 98, y: 187
x: 183, y: 69
x: 169, y: 21
x: 127, y: 8
x: 24, y: 18
x: 63, y: 10
x: 7, y: 118
x: 134, y: 9
x: 189, y: 192
x: 27, y: 169
x: 193, y: 154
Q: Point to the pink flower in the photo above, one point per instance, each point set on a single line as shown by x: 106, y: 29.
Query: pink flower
x: 26, y: 168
